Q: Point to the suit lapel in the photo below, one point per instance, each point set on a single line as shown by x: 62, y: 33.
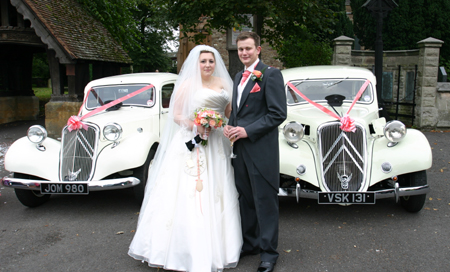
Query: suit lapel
x: 235, y: 91
x: 249, y: 86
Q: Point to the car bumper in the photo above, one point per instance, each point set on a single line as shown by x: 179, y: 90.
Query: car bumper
x: 396, y: 192
x: 97, y: 185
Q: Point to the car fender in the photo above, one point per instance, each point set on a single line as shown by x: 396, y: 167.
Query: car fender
x: 24, y: 157
x: 291, y: 158
x: 132, y: 151
x: 412, y: 154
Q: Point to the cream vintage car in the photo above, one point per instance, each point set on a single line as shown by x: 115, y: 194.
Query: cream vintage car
x: 107, y: 146
x: 337, y: 149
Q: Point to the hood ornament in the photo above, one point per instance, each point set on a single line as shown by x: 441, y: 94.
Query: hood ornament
x: 344, y: 179
x: 73, y: 175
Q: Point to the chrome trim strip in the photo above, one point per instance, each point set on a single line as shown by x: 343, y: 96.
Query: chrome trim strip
x: 97, y: 185
x: 71, y: 160
x: 387, y: 193
x: 324, y: 137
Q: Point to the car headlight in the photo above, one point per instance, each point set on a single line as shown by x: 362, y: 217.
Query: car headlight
x: 112, y: 132
x: 37, y: 134
x: 293, y: 132
x: 394, y: 131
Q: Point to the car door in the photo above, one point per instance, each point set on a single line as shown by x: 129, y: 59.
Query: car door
x: 166, y: 94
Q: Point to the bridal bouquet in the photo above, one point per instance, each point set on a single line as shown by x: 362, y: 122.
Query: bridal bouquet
x: 209, y: 119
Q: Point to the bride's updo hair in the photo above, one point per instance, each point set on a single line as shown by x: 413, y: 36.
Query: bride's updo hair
x: 207, y: 51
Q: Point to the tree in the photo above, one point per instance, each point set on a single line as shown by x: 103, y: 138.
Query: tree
x: 344, y: 25
x: 315, y: 45
x: 139, y: 26
x: 40, y: 66
x: 154, y: 31
x: 407, y: 24
x: 116, y: 16
x: 298, y: 30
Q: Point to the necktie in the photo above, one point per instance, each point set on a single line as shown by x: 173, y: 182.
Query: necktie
x: 245, y: 76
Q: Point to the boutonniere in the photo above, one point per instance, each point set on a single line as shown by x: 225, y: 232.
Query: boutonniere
x: 257, y: 75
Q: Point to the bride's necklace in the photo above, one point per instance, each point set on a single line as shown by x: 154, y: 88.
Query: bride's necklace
x: 208, y: 84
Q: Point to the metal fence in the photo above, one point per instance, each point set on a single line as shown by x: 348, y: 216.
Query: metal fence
x: 401, y: 104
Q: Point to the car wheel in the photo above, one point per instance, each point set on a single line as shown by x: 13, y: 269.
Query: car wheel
x: 142, y: 174
x: 30, y: 198
x: 414, y: 203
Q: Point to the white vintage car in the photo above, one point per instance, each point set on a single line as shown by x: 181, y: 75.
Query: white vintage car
x: 110, y: 149
x: 338, y: 150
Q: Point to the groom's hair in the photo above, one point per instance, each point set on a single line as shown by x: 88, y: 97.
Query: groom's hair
x: 249, y: 35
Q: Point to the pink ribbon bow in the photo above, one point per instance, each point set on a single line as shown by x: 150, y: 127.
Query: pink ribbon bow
x: 74, y: 123
x: 347, y: 124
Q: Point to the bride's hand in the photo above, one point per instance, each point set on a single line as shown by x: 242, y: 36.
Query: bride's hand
x: 202, y: 130
x: 226, y: 131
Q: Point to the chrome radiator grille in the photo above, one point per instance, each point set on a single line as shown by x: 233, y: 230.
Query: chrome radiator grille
x: 78, y: 153
x: 343, y: 157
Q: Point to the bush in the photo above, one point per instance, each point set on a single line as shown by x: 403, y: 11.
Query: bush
x: 40, y: 66
x: 295, y: 53
x: 44, y: 95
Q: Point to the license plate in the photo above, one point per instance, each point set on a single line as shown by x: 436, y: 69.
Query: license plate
x: 347, y: 198
x: 70, y: 188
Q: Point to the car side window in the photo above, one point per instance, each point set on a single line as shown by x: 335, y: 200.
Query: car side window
x: 166, y: 93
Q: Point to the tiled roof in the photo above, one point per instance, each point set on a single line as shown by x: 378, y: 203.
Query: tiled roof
x: 81, y: 36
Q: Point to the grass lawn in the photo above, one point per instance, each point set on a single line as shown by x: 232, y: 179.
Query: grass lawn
x: 44, y: 95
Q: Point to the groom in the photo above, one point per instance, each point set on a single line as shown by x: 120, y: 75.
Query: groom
x: 258, y: 108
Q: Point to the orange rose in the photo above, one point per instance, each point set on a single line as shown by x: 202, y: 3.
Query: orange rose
x: 212, y: 122
x: 257, y: 73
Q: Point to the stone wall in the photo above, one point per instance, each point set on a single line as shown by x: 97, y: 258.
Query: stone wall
x: 57, y: 114
x: 431, y: 110
x: 15, y: 108
x: 443, y: 104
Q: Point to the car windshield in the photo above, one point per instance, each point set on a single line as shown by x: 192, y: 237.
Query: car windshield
x: 317, y: 90
x: 101, y: 95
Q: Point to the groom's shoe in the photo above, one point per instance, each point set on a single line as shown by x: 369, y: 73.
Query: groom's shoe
x: 266, y: 267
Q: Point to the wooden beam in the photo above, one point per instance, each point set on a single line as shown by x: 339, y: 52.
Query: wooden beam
x: 81, y: 79
x: 4, y: 15
x: 56, y: 73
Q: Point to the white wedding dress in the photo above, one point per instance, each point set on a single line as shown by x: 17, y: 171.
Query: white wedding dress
x: 183, y: 229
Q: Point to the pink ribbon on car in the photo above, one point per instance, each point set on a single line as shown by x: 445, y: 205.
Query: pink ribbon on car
x: 347, y: 123
x: 75, y: 122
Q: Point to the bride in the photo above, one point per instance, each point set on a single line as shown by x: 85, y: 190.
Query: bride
x: 183, y: 226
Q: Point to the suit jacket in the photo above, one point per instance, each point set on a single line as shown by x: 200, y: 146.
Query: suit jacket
x: 261, y: 112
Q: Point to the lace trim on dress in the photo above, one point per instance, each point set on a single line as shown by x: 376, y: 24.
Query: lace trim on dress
x: 144, y: 259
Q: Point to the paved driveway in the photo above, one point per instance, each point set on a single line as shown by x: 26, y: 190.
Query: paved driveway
x: 92, y: 233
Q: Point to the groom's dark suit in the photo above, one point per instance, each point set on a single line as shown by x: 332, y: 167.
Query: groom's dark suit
x: 257, y: 163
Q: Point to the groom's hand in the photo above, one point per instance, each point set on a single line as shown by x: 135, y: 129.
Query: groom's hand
x: 237, y: 133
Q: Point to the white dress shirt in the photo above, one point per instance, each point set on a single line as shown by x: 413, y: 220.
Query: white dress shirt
x: 241, y: 88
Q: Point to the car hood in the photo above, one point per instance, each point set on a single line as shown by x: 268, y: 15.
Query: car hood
x: 127, y: 117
